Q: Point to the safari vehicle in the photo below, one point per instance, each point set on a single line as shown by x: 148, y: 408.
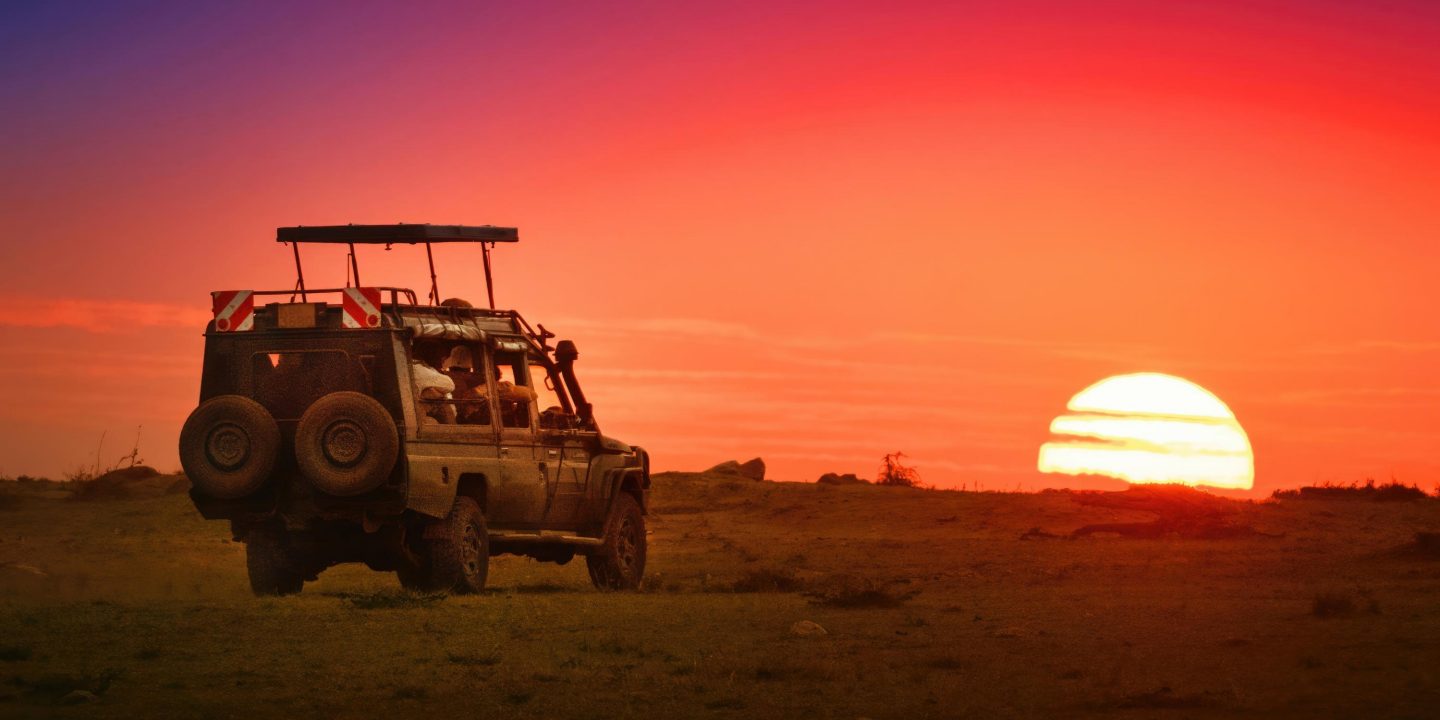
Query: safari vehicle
x: 357, y: 424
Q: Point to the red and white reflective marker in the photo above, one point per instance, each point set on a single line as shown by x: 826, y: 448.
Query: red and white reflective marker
x: 234, y: 310
x: 361, y: 308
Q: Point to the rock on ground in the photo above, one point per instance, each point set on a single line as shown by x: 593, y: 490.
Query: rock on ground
x: 806, y: 628
x: 753, y: 468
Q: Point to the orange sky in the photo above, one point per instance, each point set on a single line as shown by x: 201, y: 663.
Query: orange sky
x: 811, y: 233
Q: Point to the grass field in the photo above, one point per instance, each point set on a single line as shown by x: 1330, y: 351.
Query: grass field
x: 933, y: 607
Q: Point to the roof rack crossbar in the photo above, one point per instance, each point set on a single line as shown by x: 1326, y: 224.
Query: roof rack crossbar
x: 399, y: 234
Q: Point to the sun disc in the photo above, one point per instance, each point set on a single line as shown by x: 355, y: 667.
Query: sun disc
x: 1150, y: 428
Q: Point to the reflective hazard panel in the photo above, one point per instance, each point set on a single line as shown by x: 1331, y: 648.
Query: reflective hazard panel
x: 361, y: 308
x: 234, y: 310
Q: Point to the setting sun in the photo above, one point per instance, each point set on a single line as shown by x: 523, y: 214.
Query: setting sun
x: 1150, y: 428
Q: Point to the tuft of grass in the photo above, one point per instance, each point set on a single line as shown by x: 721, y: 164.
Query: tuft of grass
x: 768, y: 580
x: 619, y: 647
x: 541, y: 589
x: 656, y: 583
x: 1426, y: 544
x: 1332, y: 605
x: 764, y: 674
x: 411, y: 692
x: 1161, y: 699
x: 54, y: 687
x: 856, y: 592
x: 390, y: 600
x: 485, y: 660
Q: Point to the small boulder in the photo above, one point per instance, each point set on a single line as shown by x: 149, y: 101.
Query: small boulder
x: 78, y: 697
x: 729, y: 467
x: 806, y: 628
x: 837, y: 479
x: 753, y: 469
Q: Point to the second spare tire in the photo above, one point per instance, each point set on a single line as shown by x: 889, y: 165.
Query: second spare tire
x: 346, y: 444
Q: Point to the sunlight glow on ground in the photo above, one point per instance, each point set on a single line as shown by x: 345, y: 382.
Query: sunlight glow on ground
x: 1150, y: 428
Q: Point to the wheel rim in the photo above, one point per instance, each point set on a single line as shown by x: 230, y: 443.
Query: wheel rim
x: 625, y: 546
x: 343, y: 442
x: 227, y: 446
x: 470, y: 551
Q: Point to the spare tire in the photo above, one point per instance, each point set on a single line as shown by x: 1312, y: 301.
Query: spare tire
x: 346, y: 444
x: 228, y: 446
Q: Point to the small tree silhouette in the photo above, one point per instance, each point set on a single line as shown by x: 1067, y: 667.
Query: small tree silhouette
x: 893, y: 472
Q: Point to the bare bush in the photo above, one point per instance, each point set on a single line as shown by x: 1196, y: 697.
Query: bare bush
x: 894, y: 472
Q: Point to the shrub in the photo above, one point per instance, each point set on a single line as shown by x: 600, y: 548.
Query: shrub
x: 1392, y: 491
x: 893, y: 472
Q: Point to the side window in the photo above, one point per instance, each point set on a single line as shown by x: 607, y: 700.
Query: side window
x: 450, y: 384
x: 552, y: 413
x: 513, y: 391
x: 464, y: 364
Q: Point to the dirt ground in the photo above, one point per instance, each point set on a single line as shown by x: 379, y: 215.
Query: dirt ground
x: 933, y: 606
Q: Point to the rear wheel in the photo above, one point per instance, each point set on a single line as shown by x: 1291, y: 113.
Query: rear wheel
x: 455, y: 554
x: 272, y: 562
x: 619, y: 564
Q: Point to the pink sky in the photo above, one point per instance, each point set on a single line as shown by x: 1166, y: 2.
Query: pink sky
x: 814, y: 234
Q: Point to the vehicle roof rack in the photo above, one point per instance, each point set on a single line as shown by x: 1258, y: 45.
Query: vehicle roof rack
x: 410, y: 234
x: 400, y: 233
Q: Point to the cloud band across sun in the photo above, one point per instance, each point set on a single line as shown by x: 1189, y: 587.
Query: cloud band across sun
x: 1150, y: 428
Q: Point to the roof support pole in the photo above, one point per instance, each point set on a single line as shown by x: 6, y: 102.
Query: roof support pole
x: 354, y: 264
x: 489, y: 286
x: 434, y: 286
x: 299, y: 274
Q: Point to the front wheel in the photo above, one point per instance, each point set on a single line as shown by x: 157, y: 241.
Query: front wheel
x: 619, y: 564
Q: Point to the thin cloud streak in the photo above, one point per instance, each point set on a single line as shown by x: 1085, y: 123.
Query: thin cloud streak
x: 96, y: 316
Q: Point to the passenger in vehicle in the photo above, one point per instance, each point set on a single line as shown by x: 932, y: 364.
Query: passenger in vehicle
x: 432, y: 388
x: 514, y: 400
x: 472, y: 405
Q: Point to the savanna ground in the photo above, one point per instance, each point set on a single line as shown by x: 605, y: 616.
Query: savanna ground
x: 933, y: 604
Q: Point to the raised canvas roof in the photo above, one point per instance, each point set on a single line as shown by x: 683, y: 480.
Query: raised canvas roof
x: 400, y: 233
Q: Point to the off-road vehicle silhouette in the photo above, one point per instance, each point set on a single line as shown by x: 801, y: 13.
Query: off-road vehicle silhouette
x: 418, y: 438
